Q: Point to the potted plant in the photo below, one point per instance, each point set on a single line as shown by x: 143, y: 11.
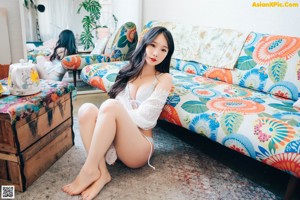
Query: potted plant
x: 90, y: 22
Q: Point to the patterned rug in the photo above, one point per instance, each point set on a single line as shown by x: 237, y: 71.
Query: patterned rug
x: 182, y: 172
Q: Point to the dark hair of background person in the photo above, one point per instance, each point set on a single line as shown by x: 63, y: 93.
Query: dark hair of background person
x: 67, y: 41
x: 137, y: 60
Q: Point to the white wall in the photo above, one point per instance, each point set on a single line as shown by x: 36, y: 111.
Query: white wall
x: 128, y: 10
x: 5, y: 55
x: 234, y: 14
x: 58, y: 15
x: 15, y: 29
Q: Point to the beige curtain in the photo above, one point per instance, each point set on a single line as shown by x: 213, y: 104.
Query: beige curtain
x: 106, y: 14
x: 30, y: 24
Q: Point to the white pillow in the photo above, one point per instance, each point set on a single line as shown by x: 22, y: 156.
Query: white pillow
x: 297, y: 104
x: 108, y: 49
x: 100, y: 46
x: 30, y: 47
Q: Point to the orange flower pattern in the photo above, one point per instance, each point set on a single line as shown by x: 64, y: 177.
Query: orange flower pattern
x: 235, y: 105
x: 273, y: 47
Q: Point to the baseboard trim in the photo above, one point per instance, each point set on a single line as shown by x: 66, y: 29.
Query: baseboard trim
x: 89, y: 92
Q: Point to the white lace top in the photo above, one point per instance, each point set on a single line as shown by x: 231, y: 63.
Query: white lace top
x: 146, y: 108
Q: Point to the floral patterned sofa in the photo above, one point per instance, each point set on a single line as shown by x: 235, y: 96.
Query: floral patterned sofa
x: 248, y: 109
x: 120, y: 45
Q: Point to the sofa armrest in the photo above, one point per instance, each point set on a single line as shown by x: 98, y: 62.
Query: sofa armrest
x: 79, y: 61
x: 102, y: 75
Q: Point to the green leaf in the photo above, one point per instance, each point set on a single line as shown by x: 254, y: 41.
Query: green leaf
x: 87, y: 23
x: 86, y: 39
x: 277, y: 70
x: 271, y: 147
x: 249, y: 51
x: 94, y: 9
x: 231, y: 122
x: 111, y: 77
x: 194, y: 107
x: 183, y: 78
x: 129, y: 25
x: 93, y: 58
x: 203, y: 100
x: 299, y: 53
x: 265, y: 115
x: 245, y: 63
x: 122, y: 41
x: 291, y: 122
x: 288, y: 103
x: 282, y: 107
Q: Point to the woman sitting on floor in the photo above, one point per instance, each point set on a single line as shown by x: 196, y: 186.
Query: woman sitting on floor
x: 53, y: 69
x: 122, y: 126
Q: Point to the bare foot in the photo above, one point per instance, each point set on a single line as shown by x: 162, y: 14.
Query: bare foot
x: 82, y: 181
x: 96, y: 187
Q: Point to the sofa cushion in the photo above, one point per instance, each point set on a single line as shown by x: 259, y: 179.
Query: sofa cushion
x: 102, y: 75
x: 261, y: 66
x: 270, y: 63
x: 218, y: 47
x: 122, y: 43
x: 259, y: 125
x: 267, y: 63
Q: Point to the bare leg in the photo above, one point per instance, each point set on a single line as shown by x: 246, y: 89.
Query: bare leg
x: 93, y: 190
x: 101, y: 139
x: 113, y: 124
x: 87, y: 116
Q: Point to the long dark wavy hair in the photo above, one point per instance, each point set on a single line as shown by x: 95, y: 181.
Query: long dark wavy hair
x: 67, y: 41
x: 137, y: 60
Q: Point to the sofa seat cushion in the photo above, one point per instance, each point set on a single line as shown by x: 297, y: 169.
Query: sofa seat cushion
x: 259, y: 125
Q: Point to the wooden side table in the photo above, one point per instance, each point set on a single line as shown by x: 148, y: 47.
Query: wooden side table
x: 35, y: 131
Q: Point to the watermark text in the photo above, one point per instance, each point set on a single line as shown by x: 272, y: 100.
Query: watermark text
x: 275, y: 4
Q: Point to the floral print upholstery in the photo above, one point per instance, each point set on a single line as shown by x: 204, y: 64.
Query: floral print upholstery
x: 31, y: 55
x: 119, y: 47
x: 248, y: 109
x: 19, y: 107
x: 267, y: 63
x: 216, y: 47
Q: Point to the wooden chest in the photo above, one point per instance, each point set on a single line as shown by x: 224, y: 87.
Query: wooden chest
x: 32, y: 144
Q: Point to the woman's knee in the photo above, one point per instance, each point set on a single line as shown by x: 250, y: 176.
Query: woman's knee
x: 87, y: 112
x: 110, y: 106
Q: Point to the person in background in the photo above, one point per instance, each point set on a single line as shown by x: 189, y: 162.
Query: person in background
x: 122, y: 126
x: 52, y: 68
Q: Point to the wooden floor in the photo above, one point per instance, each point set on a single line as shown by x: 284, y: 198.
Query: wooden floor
x: 95, y: 98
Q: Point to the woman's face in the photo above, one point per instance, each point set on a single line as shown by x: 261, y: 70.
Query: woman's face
x: 157, y: 50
